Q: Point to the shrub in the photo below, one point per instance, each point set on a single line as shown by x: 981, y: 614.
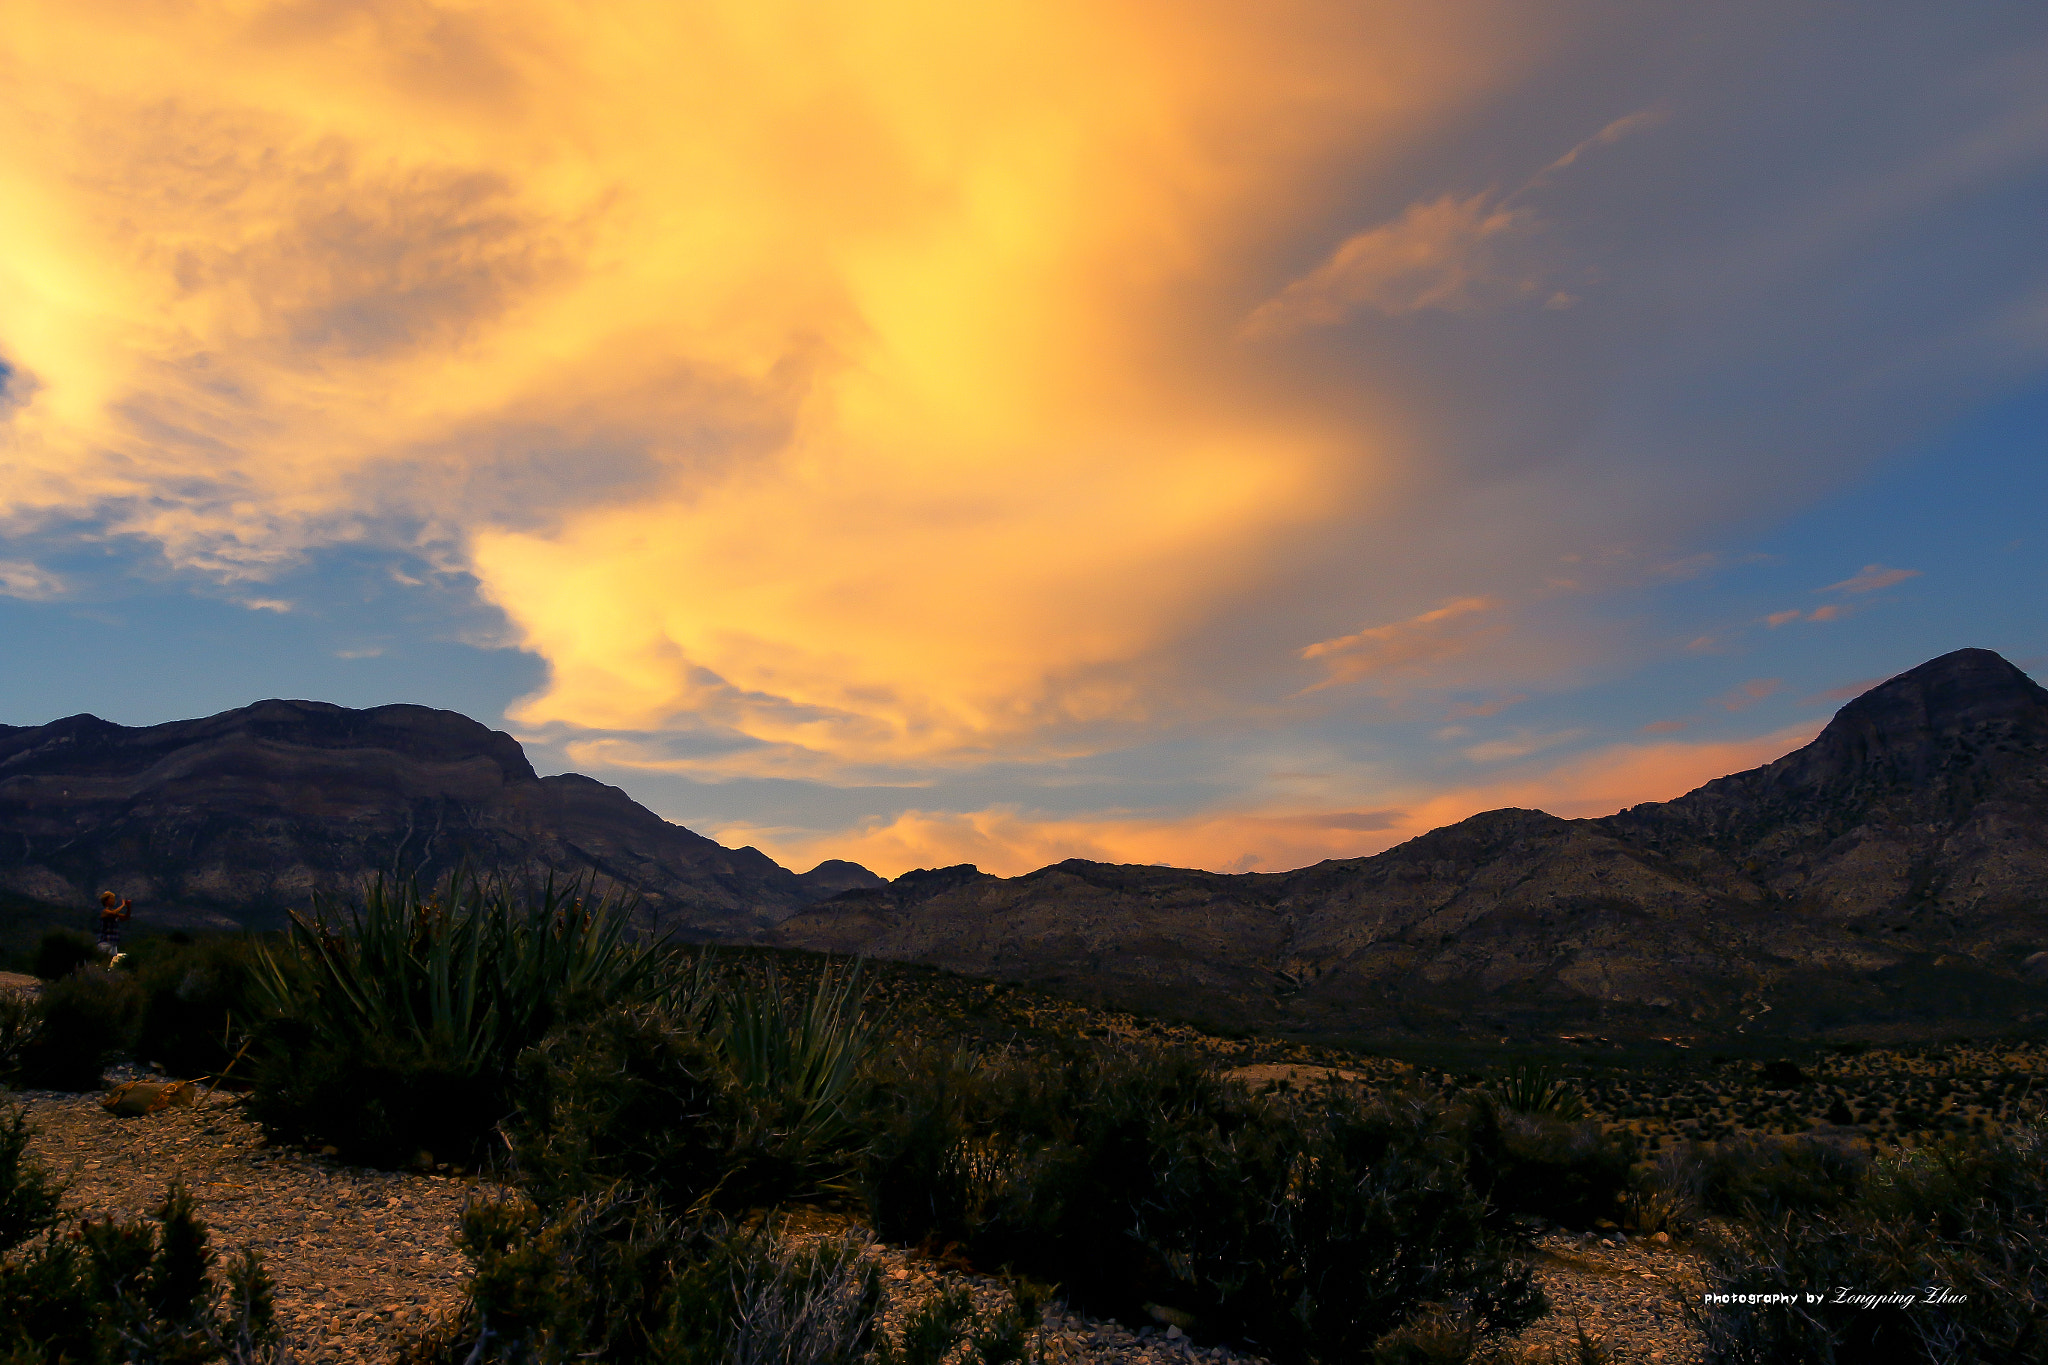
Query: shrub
x: 1967, y: 1217
x: 800, y: 1067
x: 21, y: 1014
x: 612, y: 1278
x: 397, y: 1028
x: 1532, y: 1088
x: 200, y: 1001
x: 64, y: 951
x: 625, y: 1097
x: 1539, y: 1166
x: 1750, y: 1178
x: 750, y: 1098
x: 1144, y: 1184
x: 110, y: 1291
x: 75, y: 1026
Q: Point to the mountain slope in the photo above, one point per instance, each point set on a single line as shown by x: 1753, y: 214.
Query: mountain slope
x: 1894, y: 871
x: 238, y: 817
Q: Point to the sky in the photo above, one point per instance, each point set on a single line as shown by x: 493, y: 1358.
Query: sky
x: 1196, y: 433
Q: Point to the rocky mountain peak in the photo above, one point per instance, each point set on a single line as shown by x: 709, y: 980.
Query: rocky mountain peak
x: 241, y: 816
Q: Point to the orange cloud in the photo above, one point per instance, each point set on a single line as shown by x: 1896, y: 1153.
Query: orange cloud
x: 859, y: 378
x: 20, y: 578
x: 1008, y: 840
x: 1449, y: 253
x: 1419, y: 640
x: 1873, y: 577
x: 1749, y: 694
x: 1466, y: 711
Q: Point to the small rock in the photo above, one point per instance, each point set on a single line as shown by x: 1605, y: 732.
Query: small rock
x: 1664, y: 1239
x: 1174, y: 1334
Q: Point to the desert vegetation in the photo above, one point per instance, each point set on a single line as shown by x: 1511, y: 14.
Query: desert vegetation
x: 657, y: 1111
x: 96, y: 1292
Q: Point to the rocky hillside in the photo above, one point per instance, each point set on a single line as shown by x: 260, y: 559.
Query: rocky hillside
x: 1892, y: 875
x: 239, y: 817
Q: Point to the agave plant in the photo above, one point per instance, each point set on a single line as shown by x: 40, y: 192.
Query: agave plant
x: 465, y: 976
x: 801, y: 1062
x: 1532, y: 1088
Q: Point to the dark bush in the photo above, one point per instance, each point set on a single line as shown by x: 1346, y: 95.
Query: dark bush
x: 736, y: 1098
x: 1965, y: 1217
x: 397, y: 1028
x: 77, y: 1025
x: 1145, y: 1185
x: 64, y: 951
x: 612, y: 1278
x: 381, y: 1103
x: 1542, y: 1167
x: 626, y: 1097
x: 1763, y: 1177
x: 200, y: 1001
x: 105, y: 1292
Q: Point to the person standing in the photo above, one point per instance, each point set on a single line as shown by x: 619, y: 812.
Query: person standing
x: 113, y: 914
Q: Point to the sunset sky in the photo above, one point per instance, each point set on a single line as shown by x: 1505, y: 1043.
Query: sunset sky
x: 1226, y: 435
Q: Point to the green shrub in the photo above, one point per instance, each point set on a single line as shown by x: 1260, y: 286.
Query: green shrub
x: 800, y: 1067
x: 200, y: 1001
x: 750, y: 1099
x: 1967, y: 1217
x: 21, y: 1015
x: 75, y: 1027
x: 29, y: 1194
x: 625, y: 1097
x: 1143, y: 1183
x: 64, y: 951
x: 612, y: 1278
x: 1750, y: 1177
x: 103, y: 1291
x: 1539, y: 1166
x: 1532, y: 1088
x: 397, y: 1028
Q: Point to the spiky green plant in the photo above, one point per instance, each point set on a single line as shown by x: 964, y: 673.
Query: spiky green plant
x: 808, y: 1051
x: 1533, y: 1088
x: 468, y: 974
x: 394, y: 1027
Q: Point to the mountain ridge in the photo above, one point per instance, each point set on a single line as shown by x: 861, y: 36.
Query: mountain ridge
x: 238, y: 817
x: 1894, y: 870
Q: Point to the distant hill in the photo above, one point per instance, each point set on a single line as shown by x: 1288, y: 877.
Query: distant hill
x: 1891, y: 875
x: 239, y: 817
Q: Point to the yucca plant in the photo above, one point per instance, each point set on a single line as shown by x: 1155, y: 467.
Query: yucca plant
x: 393, y: 1028
x: 799, y: 1064
x: 1533, y: 1088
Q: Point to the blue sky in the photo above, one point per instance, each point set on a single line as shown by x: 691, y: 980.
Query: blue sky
x: 903, y: 441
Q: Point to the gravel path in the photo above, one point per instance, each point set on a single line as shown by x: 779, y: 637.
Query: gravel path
x: 359, y: 1256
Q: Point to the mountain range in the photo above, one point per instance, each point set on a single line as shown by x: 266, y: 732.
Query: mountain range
x: 237, y: 818
x: 1893, y: 874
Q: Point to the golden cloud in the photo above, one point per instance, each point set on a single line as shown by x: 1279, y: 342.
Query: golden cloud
x: 859, y: 378
x: 1449, y: 253
x: 1422, y: 639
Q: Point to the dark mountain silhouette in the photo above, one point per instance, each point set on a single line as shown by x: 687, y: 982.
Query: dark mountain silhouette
x: 1891, y: 874
x: 239, y: 817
